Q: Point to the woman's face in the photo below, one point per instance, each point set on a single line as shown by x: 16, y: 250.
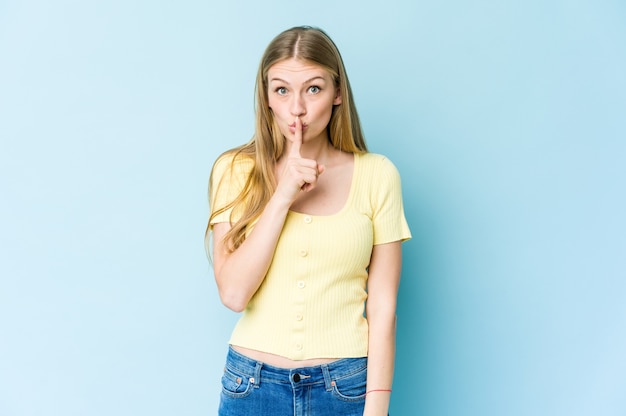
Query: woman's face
x: 299, y: 88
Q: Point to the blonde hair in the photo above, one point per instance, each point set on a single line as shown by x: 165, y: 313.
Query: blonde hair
x: 307, y: 44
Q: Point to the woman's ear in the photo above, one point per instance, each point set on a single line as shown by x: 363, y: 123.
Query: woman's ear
x: 337, y: 100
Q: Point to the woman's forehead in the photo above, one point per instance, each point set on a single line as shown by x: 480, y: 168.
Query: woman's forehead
x: 297, y: 68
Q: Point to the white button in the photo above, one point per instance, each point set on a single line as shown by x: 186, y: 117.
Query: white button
x: 303, y: 253
x: 298, y: 317
x: 308, y: 219
x: 301, y: 284
x: 298, y: 346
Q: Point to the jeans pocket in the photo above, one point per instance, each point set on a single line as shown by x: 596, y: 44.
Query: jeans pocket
x: 352, y: 387
x: 235, y: 385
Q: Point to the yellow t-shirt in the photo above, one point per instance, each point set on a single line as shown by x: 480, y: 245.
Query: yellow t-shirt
x: 311, y: 302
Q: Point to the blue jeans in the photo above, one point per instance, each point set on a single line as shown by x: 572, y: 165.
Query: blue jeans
x: 251, y: 387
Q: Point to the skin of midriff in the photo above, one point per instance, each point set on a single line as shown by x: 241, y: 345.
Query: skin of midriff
x: 279, y: 361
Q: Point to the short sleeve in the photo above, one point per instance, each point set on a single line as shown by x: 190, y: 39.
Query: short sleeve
x: 228, y: 179
x: 389, y: 221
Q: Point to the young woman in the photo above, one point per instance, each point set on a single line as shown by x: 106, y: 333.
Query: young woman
x: 306, y: 230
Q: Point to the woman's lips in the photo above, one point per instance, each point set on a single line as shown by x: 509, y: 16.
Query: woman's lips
x: 292, y: 127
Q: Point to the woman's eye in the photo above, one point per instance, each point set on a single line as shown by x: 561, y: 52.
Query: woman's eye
x: 281, y: 90
x: 314, y: 89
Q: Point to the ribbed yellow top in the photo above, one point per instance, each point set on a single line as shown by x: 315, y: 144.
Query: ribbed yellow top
x: 311, y: 303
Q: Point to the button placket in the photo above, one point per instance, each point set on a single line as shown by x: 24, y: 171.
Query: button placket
x: 298, y: 320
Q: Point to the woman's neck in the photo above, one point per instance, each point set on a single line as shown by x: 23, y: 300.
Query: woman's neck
x: 321, y: 151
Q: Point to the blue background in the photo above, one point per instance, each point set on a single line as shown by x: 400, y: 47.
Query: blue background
x: 506, y: 120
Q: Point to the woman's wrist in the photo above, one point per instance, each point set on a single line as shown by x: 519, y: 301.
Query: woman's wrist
x: 377, y: 391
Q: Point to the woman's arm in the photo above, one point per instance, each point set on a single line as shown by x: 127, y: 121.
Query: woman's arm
x: 382, y: 288
x: 239, y: 273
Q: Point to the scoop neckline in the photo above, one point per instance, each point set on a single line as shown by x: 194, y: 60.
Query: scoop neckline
x: 356, y: 158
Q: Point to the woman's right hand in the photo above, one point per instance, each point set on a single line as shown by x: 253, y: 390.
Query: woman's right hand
x: 298, y: 174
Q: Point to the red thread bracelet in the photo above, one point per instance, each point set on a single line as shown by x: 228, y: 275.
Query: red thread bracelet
x: 371, y: 391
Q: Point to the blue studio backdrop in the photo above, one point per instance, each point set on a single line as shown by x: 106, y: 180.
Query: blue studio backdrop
x: 506, y: 120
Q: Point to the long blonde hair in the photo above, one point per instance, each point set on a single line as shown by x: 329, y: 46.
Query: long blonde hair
x: 267, y: 145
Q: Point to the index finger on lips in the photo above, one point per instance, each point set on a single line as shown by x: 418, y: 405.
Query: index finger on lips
x: 297, y: 140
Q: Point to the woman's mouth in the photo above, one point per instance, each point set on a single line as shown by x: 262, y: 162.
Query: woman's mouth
x: 292, y: 127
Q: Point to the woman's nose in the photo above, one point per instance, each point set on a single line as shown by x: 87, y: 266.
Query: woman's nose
x: 297, y: 106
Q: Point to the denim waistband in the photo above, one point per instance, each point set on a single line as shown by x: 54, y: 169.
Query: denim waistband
x: 259, y: 372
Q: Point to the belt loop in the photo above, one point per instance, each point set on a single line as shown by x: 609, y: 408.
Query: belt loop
x: 327, y: 380
x: 256, y: 381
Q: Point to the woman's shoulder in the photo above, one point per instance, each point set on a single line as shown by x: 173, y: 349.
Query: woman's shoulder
x: 372, y: 161
x: 235, y: 161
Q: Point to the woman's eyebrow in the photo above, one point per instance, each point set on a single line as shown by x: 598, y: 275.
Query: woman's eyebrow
x: 278, y: 80
x: 314, y: 79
